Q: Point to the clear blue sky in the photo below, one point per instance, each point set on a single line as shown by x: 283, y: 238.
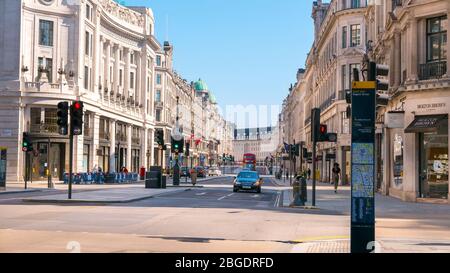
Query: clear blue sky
x: 247, y: 51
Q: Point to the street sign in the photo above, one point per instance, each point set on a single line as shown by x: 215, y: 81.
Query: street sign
x: 363, y: 166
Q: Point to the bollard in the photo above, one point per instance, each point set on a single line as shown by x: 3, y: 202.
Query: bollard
x: 304, y: 190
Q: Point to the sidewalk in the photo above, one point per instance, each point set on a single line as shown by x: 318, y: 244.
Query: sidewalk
x: 12, y: 190
x: 400, y: 226
x: 105, y: 196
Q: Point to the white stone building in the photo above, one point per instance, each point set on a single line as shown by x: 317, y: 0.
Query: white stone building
x: 262, y: 142
x: 338, y: 48
x: 95, y: 51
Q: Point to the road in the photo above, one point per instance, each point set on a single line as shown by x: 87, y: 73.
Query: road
x: 213, y: 219
x: 209, y: 219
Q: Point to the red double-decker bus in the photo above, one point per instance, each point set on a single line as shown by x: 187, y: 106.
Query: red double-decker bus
x: 249, y: 162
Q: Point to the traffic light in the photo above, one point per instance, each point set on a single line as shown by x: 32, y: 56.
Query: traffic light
x: 297, y: 149
x: 63, y: 118
x: 375, y: 71
x: 315, y: 123
x: 177, y: 145
x: 325, y: 136
x: 188, y: 147
x: 159, y: 137
x: 76, y: 118
x: 348, y: 96
x: 323, y: 130
x: 26, y: 143
x: 305, y: 152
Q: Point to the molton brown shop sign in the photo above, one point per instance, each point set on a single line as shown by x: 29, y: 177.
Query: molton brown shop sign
x: 431, y: 106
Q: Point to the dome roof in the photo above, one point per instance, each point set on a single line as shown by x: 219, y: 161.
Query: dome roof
x: 212, y: 98
x: 200, y: 86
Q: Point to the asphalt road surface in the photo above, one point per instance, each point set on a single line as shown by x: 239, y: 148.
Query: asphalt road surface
x: 208, y: 219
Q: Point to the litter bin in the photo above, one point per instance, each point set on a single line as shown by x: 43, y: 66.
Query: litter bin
x: 153, y: 180
x: 110, y: 178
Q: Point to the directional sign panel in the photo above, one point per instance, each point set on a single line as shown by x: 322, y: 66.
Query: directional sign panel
x: 363, y: 166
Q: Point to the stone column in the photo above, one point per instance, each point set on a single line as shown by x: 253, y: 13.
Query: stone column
x: 129, y: 135
x: 413, y: 61
x: 387, y: 160
x: 96, y: 138
x: 144, y: 147
x: 106, y: 74
x: 410, y: 166
x: 398, y: 59
x: 152, y: 146
x: 98, y: 56
x: 112, y: 146
x: 126, y: 74
x: 138, y: 90
x: 116, y: 69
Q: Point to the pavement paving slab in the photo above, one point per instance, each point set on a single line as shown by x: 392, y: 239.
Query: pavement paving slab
x: 14, y: 190
x: 105, y: 196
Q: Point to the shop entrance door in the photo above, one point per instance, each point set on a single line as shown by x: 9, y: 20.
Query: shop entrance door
x: 433, y: 158
x: 41, y: 166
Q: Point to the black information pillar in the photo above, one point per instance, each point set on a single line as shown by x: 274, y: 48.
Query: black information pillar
x: 3, y: 151
x: 363, y: 167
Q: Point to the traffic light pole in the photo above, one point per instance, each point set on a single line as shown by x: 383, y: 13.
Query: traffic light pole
x: 70, y: 163
x: 49, y: 174
x: 314, y: 173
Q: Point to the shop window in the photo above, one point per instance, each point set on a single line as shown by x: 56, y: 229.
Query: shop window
x: 398, y: 160
x: 85, y: 164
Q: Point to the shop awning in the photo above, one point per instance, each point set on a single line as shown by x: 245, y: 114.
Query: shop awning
x: 426, y: 124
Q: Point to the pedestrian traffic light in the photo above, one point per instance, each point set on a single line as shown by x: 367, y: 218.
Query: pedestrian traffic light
x: 63, y: 118
x: 323, y: 130
x: 26, y: 143
x: 325, y: 136
x: 159, y: 137
x: 305, y: 152
x: 76, y: 118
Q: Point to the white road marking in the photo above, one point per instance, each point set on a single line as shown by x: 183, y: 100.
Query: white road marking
x: 223, y: 197
x: 255, y: 196
x: 277, y: 200
x: 231, y: 194
x: 200, y: 194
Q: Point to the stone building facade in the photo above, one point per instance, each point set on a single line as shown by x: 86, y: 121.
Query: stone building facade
x: 413, y: 129
x: 98, y: 52
x: 338, y: 48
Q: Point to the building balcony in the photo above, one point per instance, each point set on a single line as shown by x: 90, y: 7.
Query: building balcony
x: 434, y: 70
x: 159, y: 104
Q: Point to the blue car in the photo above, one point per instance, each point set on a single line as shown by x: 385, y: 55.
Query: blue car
x: 248, y: 181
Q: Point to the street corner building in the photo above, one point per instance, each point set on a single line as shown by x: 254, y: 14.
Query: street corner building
x: 412, y: 132
x: 413, y: 126
x: 106, y: 55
